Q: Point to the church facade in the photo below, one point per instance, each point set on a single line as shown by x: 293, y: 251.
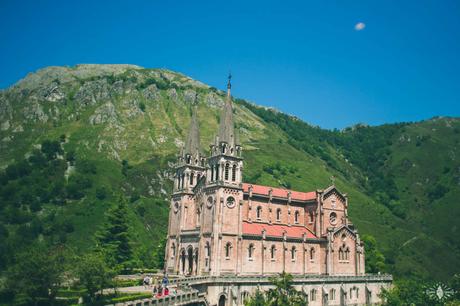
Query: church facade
x: 220, y: 226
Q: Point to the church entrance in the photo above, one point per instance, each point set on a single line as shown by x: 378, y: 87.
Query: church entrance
x: 190, y: 260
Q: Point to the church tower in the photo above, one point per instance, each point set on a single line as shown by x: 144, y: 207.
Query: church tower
x: 224, y: 189
x: 189, y: 171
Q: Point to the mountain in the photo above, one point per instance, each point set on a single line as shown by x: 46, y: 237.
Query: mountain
x: 74, y: 140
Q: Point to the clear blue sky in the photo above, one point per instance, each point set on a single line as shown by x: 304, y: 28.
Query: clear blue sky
x: 303, y: 57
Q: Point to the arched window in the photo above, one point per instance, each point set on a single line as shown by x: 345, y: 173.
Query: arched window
x: 217, y: 172
x: 313, y: 295
x: 227, y: 168
x: 183, y: 256
x: 332, y: 294
x: 183, y: 179
x: 234, y: 173
x: 189, y: 159
x: 251, y: 251
x: 259, y: 212
x: 312, y: 254
x: 293, y: 253
x: 278, y: 214
x: 296, y: 216
x: 207, y: 254
x: 207, y: 248
x: 344, y: 253
x: 272, y: 252
x: 228, y: 250
x: 198, y: 176
x: 192, y: 176
x: 173, y: 250
x: 196, y: 260
x: 311, y: 216
x: 198, y: 215
x: 212, y: 173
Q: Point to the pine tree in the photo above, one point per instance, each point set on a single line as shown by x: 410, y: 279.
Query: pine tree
x: 114, y: 239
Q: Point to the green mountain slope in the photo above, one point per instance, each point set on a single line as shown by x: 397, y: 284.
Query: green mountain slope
x: 128, y: 123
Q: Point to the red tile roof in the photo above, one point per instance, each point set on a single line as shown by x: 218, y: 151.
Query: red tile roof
x: 280, y: 193
x: 275, y: 230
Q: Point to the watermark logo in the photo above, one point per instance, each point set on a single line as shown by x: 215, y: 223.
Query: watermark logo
x: 440, y: 292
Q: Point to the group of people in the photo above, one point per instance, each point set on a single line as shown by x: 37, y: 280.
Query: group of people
x: 159, y: 288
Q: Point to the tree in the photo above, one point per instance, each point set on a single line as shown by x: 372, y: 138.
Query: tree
x: 114, y: 238
x: 406, y: 292
x: 257, y: 300
x: 125, y: 167
x: 94, y: 275
x: 37, y: 274
x: 51, y: 149
x: 284, y: 294
x: 161, y: 253
x: 375, y: 261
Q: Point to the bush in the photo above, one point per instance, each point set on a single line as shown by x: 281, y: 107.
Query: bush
x: 70, y: 293
x: 131, y: 297
x: 437, y: 192
x: 77, y: 185
x: 101, y: 193
x: 86, y: 167
x: 51, y: 149
x: 142, y: 106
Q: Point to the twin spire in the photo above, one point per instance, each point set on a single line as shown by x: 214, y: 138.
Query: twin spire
x: 192, y: 142
x: 226, y: 126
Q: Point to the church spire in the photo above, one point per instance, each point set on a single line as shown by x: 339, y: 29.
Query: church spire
x: 226, y: 129
x: 192, y: 142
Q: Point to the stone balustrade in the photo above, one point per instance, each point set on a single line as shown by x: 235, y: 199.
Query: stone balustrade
x: 194, y: 280
x: 184, y: 298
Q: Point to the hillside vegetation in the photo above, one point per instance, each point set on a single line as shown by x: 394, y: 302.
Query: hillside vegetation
x: 75, y: 142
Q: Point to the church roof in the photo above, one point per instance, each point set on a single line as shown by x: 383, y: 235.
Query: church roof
x: 279, y: 192
x: 276, y: 230
x: 192, y: 142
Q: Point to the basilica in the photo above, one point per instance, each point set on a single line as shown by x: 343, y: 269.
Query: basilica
x: 221, y: 226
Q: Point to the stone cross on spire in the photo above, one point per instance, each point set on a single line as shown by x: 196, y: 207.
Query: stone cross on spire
x: 226, y: 129
x: 229, y: 84
x: 192, y: 142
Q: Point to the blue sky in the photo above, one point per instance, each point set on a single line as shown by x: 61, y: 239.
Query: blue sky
x: 303, y: 57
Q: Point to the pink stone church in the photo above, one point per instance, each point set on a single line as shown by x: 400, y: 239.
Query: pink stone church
x: 220, y: 226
